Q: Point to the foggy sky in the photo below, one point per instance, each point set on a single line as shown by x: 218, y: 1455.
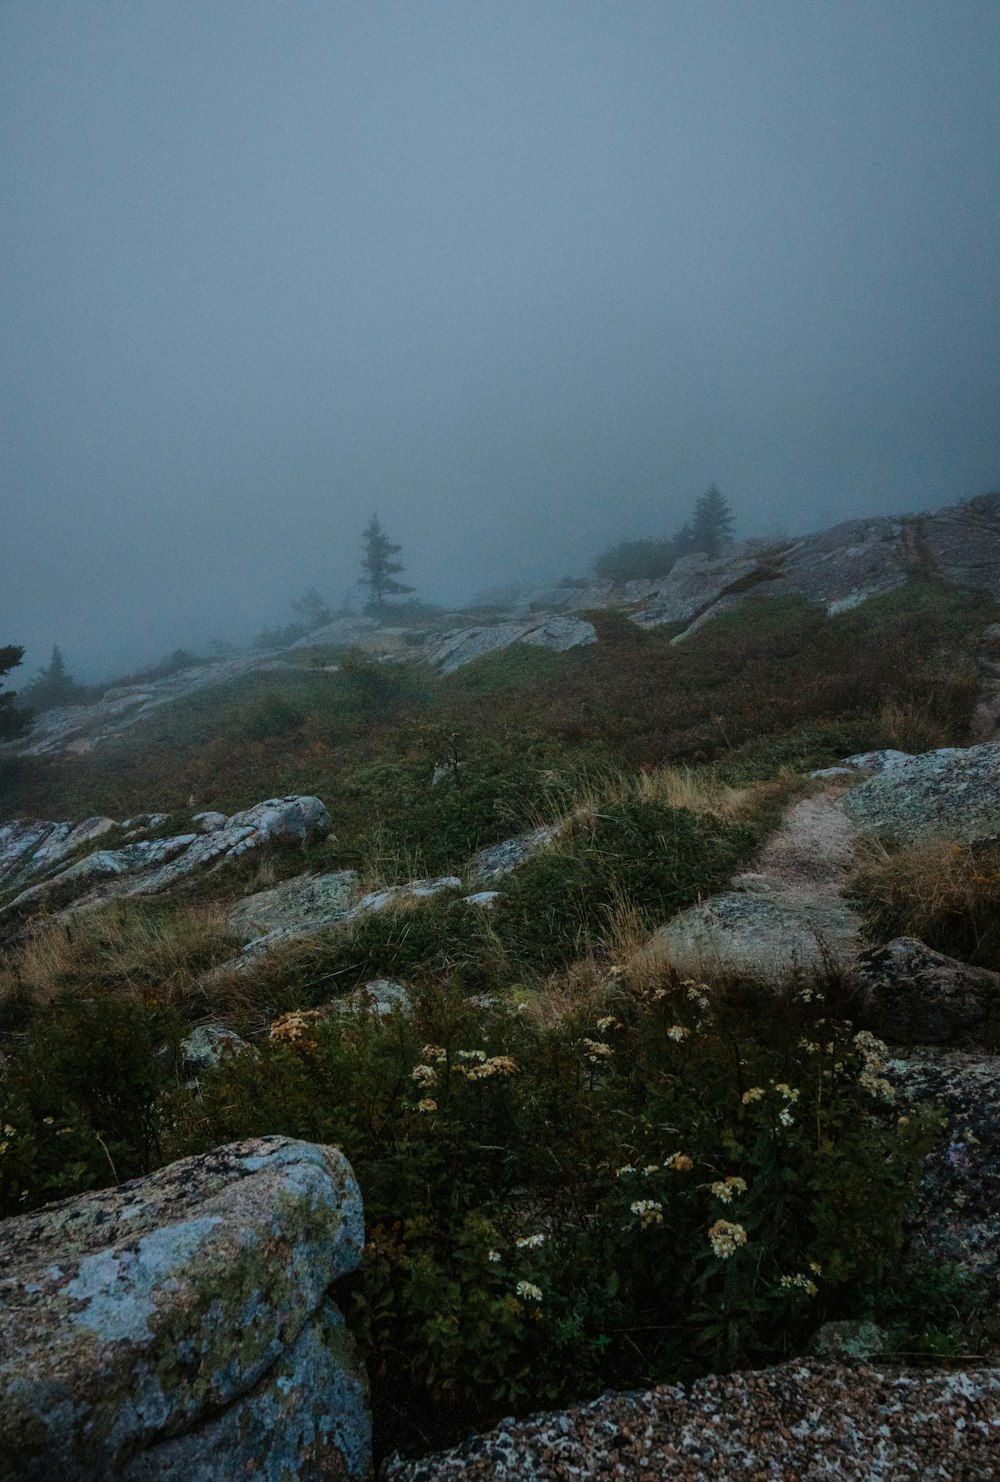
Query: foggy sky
x: 524, y: 276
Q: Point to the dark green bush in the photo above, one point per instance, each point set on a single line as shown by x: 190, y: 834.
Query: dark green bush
x: 544, y: 1204
x: 81, y: 1100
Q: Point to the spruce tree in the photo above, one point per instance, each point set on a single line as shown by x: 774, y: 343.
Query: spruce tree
x: 712, y: 526
x: 53, y: 686
x: 13, y: 722
x: 380, y: 569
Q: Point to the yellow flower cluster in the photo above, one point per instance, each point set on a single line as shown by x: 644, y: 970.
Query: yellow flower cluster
x: 595, y: 1051
x: 679, y: 1162
x: 529, y: 1291
x: 725, y: 1237
x: 529, y: 1242
x: 648, y: 1212
x: 424, y: 1075
x: 755, y: 1093
x: 501, y: 1065
x: 297, y: 1029
x: 427, y: 1104
x: 802, y: 1282
x: 727, y: 1189
x: 677, y: 1032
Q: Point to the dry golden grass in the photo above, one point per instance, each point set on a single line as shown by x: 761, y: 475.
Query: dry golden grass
x: 946, y: 894
x: 913, y: 727
x: 123, y: 948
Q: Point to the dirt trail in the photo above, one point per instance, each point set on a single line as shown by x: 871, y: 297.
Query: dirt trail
x: 811, y: 855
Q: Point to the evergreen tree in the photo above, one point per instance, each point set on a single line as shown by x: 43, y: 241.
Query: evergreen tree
x: 13, y: 722
x: 380, y: 569
x: 53, y: 686
x: 712, y: 526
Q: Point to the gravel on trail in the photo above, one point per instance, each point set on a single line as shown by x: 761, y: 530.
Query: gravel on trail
x: 801, y: 1419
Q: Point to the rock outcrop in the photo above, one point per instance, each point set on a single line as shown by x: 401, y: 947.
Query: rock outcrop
x: 910, y: 994
x: 952, y: 793
x: 145, y: 866
x: 798, y: 1420
x: 179, y: 1326
x: 450, y: 651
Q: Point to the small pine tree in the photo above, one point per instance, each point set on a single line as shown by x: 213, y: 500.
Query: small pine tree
x: 380, y: 569
x: 53, y: 686
x: 13, y: 721
x: 712, y: 526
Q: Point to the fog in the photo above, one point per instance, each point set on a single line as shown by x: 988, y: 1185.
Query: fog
x: 522, y: 277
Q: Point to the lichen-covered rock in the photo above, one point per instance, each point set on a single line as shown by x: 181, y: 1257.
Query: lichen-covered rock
x: 185, y: 1307
x: 953, y: 793
x: 848, y: 1338
x: 147, y: 866
x: 741, y: 934
x: 959, y: 1215
x: 908, y: 993
x: 497, y: 860
x: 207, y: 1046
x: 379, y: 996
x: 305, y: 901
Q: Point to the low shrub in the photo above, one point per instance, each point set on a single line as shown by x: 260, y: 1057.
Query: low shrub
x: 946, y: 894
x: 674, y: 1184
x: 82, y: 1099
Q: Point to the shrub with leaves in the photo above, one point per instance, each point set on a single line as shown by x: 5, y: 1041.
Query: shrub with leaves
x: 82, y: 1099
x: 671, y: 1184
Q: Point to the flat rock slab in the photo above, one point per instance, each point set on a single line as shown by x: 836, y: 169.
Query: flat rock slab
x: 307, y: 900
x: 953, y: 793
x: 452, y: 651
x: 798, y: 1420
x: 133, y: 1319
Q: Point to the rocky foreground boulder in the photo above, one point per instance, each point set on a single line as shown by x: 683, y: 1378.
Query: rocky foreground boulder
x: 180, y: 1327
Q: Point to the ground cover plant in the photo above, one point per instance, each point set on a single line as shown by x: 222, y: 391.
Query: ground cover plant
x: 776, y: 682
x: 613, y: 1180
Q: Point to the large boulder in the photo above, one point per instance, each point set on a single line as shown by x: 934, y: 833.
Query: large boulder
x: 745, y: 935
x: 179, y: 1325
x: 953, y: 793
x: 908, y: 993
x: 958, y: 1220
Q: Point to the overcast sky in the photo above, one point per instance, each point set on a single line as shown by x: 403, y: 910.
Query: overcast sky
x: 524, y: 276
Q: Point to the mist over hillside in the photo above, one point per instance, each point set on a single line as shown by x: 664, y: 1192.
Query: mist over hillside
x: 524, y: 283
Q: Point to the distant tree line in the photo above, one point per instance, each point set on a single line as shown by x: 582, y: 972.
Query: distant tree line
x: 709, y: 531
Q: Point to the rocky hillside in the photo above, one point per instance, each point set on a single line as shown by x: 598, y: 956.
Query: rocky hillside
x: 838, y: 568
x: 632, y: 978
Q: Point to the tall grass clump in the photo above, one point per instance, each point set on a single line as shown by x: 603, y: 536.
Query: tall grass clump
x: 946, y: 894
